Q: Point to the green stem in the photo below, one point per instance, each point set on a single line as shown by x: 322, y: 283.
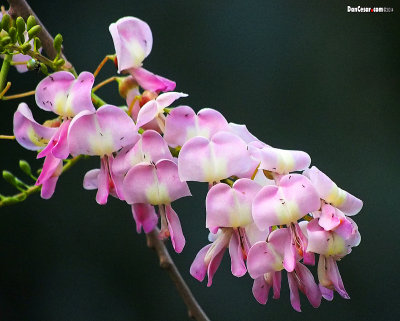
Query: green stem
x: 17, y: 198
x: 5, y: 67
x: 97, y: 101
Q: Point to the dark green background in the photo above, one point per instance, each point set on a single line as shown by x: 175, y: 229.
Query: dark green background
x: 302, y: 75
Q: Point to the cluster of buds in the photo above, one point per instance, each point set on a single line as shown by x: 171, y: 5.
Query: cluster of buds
x: 266, y: 205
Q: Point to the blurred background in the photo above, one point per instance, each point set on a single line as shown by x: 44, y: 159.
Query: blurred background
x: 302, y: 75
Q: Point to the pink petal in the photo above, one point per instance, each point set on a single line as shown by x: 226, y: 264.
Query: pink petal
x: 331, y: 193
x: 307, y: 285
x: 64, y: 95
x: 183, y: 124
x: 28, y: 132
x: 238, y: 267
x: 198, y: 269
x: 329, y: 219
x: 147, y: 113
x: 211, y: 160
x: 231, y: 207
x: 214, y: 265
x: 155, y: 184
x: 294, y: 198
x: 145, y: 216
x: 52, y: 169
x: 261, y: 289
x: 103, y: 183
x: 132, y: 40
x: 101, y: 133
x: 175, y: 229
x: 90, y: 181
x: 281, y: 161
x: 152, y: 82
x: 262, y: 259
x: 294, y: 292
x: 327, y: 294
x: 242, y: 132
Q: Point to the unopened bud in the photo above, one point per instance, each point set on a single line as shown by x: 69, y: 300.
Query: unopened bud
x: 21, y: 38
x: 31, y: 22
x: 25, y: 167
x: 58, y: 40
x: 20, y: 23
x: 34, y: 31
x: 5, y: 40
x: 43, y: 69
x: 36, y: 44
x: 13, y: 34
x: 59, y: 62
x: 147, y: 96
x: 6, y: 22
x: 125, y: 84
x: 9, y: 177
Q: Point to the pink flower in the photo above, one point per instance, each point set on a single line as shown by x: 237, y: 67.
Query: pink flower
x: 158, y: 184
x: 182, y: 124
x: 229, y: 216
x: 210, y: 160
x: 66, y: 96
x: 102, y: 133
x: 133, y: 42
x: 332, y: 194
x: 266, y: 259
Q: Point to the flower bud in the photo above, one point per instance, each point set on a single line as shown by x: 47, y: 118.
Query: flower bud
x: 59, y: 62
x: 125, y: 84
x: 58, y: 40
x: 6, y: 22
x: 20, y: 23
x: 9, y: 177
x: 34, y: 31
x: 43, y: 69
x: 31, y: 22
x: 5, y: 40
x: 25, y: 167
x: 13, y: 34
x: 36, y: 44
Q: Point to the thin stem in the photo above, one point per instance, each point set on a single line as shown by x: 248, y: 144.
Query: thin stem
x: 102, y: 63
x: 5, y: 67
x: 166, y: 263
x: 7, y: 137
x: 97, y: 101
x: 103, y: 83
x: 25, y: 94
x: 4, y: 91
x: 13, y: 199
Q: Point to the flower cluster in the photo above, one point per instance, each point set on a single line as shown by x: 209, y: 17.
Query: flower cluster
x: 265, y: 205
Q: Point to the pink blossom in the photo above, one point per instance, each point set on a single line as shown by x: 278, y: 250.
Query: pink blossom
x: 133, y: 42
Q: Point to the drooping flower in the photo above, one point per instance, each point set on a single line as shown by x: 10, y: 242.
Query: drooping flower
x: 229, y: 217
x: 332, y: 245
x: 102, y: 133
x: 133, y: 42
x: 265, y: 261
x: 158, y: 184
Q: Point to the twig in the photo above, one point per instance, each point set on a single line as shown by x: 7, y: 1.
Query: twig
x: 166, y: 263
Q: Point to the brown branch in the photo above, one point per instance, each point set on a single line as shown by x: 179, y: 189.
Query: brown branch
x: 21, y: 8
x: 166, y: 263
